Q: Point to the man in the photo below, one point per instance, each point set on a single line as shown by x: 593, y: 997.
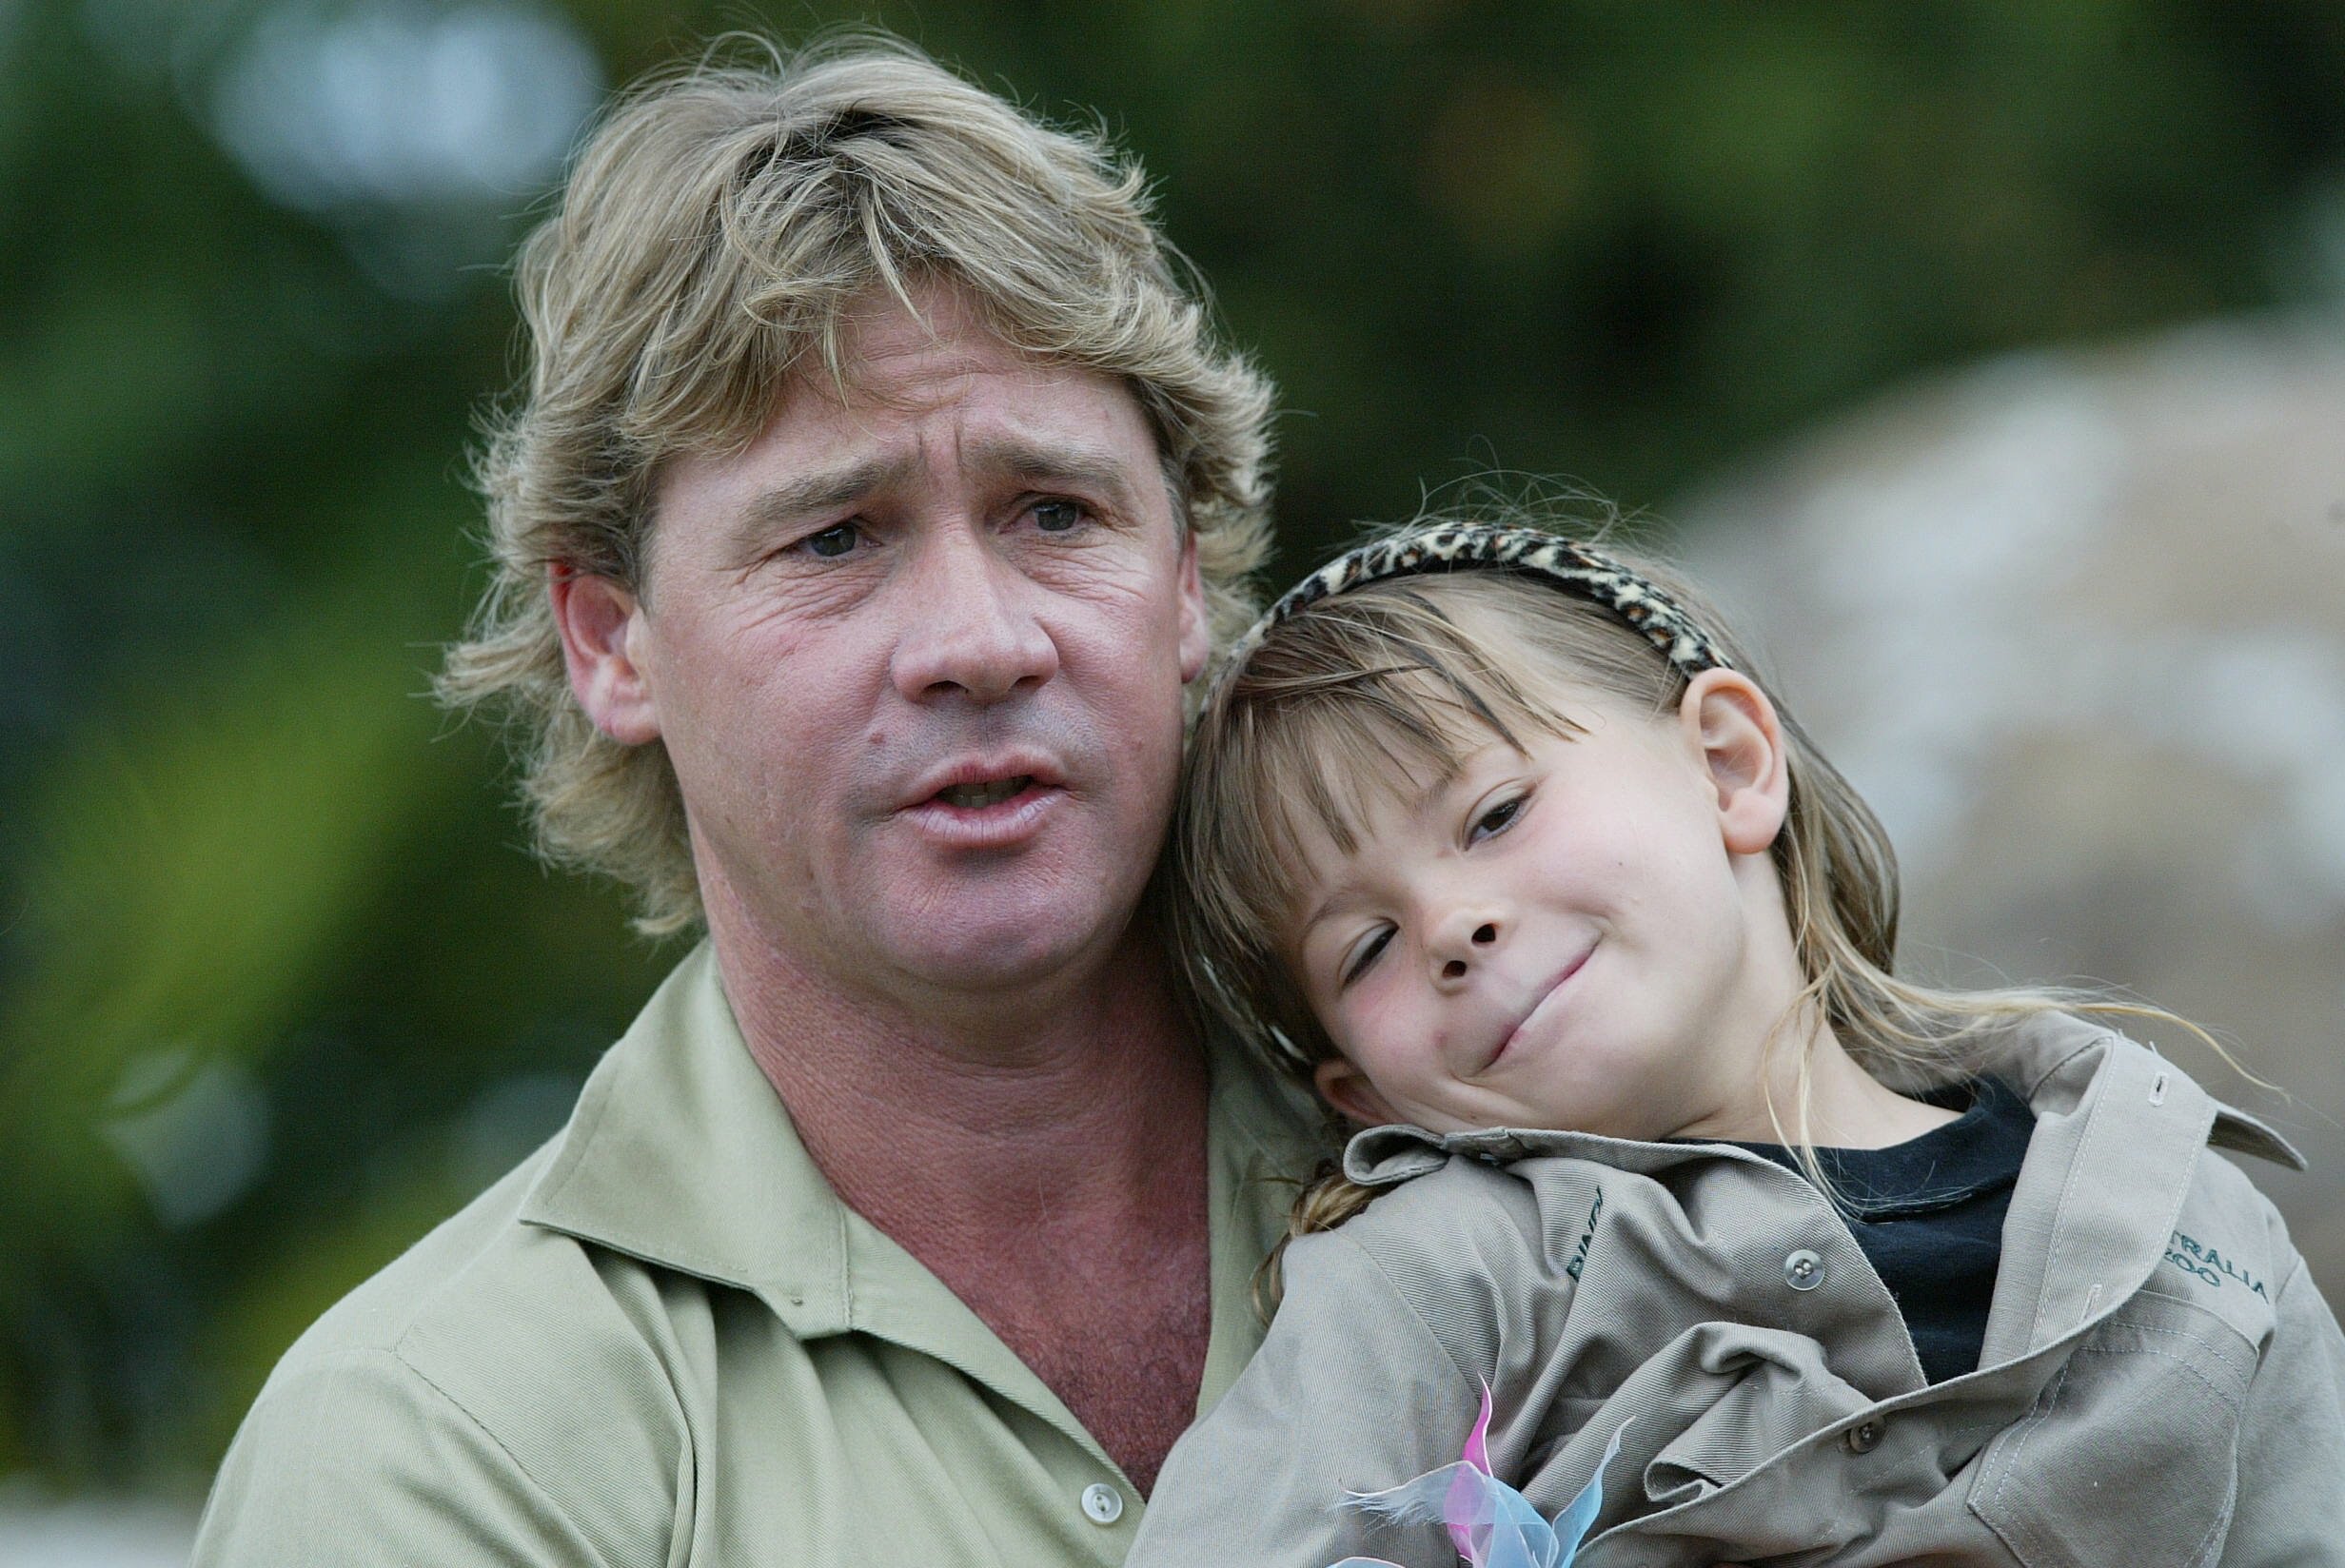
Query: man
x: 877, y: 495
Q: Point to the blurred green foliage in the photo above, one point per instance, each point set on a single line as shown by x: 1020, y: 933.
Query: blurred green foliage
x: 278, y: 984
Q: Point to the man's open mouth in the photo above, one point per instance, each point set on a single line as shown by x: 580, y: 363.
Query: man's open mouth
x: 977, y: 796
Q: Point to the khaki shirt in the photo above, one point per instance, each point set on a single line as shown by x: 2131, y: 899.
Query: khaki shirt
x: 664, y: 1341
x: 2161, y: 1383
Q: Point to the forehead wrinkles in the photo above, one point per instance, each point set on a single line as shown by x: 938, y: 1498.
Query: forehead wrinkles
x: 898, y: 382
x: 1037, y: 418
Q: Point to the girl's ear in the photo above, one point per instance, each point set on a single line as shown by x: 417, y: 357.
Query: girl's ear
x: 1347, y: 1089
x: 1730, y: 720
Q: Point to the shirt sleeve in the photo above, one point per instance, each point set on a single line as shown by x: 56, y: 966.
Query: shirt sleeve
x: 2291, y: 1503
x: 1350, y: 1392
x: 357, y: 1459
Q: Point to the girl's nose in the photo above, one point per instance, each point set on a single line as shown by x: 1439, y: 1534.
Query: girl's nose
x: 1464, y: 941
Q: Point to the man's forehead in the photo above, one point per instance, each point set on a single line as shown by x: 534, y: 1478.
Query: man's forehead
x: 885, y: 352
x: 978, y: 401
x: 907, y: 369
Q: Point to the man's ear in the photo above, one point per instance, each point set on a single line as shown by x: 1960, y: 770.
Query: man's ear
x: 602, y: 625
x: 1728, y: 721
x: 1196, y: 627
x: 1347, y: 1089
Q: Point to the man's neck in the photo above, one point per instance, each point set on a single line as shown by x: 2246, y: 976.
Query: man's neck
x: 1047, y: 1167
x: 1080, y: 1073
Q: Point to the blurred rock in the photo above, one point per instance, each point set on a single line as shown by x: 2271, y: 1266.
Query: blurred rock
x: 2075, y: 623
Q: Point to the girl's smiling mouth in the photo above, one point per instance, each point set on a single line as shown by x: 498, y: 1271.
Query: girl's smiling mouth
x: 1542, y: 997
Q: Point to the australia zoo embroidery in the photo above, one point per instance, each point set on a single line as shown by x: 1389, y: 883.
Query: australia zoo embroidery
x: 2191, y: 1255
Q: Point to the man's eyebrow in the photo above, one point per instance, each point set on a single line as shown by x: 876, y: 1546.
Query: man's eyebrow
x: 806, y: 495
x: 1079, y: 465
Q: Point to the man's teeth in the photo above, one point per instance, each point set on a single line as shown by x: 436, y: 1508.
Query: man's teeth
x: 973, y: 795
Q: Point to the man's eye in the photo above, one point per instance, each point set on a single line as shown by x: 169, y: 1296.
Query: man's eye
x: 1366, y: 955
x: 833, y: 541
x: 1498, y: 818
x: 1057, y: 516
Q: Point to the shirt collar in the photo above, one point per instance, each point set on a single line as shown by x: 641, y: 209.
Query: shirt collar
x: 1952, y: 1163
x: 2052, y: 1060
x: 2118, y: 1131
x: 679, y: 1153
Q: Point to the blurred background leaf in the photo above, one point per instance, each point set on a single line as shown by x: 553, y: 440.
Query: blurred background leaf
x: 278, y: 984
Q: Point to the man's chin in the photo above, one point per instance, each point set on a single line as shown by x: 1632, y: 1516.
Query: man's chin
x: 1001, y: 951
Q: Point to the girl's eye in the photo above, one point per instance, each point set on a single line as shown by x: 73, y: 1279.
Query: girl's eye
x: 1497, y: 819
x: 1366, y: 955
x: 831, y: 543
x: 1057, y: 517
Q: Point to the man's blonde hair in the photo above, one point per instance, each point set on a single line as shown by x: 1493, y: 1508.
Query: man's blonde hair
x: 715, y: 233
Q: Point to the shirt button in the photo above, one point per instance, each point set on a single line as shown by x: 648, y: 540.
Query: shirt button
x: 1102, y: 1503
x: 1803, y: 1270
x: 1863, y: 1438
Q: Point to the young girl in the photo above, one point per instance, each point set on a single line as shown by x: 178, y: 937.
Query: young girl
x: 1493, y: 840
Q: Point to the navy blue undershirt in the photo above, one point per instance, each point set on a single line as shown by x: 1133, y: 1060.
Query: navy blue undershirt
x: 1929, y: 1214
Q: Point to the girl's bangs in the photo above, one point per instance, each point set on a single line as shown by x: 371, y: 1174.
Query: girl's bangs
x: 1342, y: 716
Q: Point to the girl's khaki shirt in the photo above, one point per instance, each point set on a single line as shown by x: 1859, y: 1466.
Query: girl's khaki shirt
x: 2161, y: 1382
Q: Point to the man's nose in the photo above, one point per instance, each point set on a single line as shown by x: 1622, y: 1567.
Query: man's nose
x: 1461, y: 938
x: 969, y: 625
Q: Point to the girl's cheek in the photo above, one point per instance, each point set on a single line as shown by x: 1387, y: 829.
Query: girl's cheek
x: 1367, y: 1017
x: 1340, y: 1018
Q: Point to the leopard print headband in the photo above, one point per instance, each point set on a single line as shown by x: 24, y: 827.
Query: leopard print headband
x: 1569, y: 564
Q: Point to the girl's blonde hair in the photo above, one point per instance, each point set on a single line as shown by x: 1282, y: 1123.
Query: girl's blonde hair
x: 716, y: 234
x: 1404, y: 677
